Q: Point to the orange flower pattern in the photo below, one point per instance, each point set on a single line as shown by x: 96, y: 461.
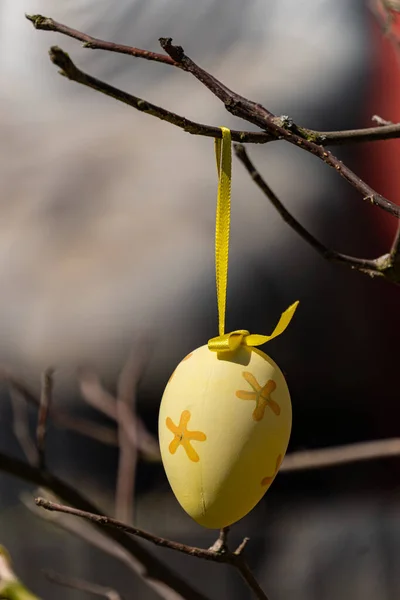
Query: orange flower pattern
x: 269, y: 480
x: 183, y: 437
x: 261, y: 396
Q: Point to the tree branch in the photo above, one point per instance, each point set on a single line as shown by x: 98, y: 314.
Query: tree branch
x: 340, y: 455
x: 81, y: 585
x: 44, y: 407
x: 222, y: 555
x: 47, y: 24
x: 281, y: 130
x: 128, y: 433
x: 150, y: 568
x: 384, y: 131
x: 375, y: 267
x: 71, y: 71
x: 277, y: 128
x: 100, y: 433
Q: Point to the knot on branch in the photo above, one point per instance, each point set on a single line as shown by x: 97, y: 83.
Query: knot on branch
x: 175, y: 52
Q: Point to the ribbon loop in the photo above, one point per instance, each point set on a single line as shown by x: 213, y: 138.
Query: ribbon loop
x: 228, y: 342
x: 231, y: 341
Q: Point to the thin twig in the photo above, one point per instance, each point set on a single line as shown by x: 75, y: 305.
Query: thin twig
x: 21, y: 427
x: 47, y: 24
x: 84, y: 531
x: 95, y: 394
x: 224, y: 555
x: 44, y: 408
x: 221, y: 543
x: 371, y: 267
x: 70, y: 70
x: 81, y: 585
x: 59, y: 418
x: 381, y: 121
x: 100, y: 433
x: 341, y: 455
x: 127, y: 434
x: 385, y: 131
x: 395, y: 252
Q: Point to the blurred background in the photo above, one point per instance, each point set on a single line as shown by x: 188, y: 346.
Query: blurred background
x: 107, y: 244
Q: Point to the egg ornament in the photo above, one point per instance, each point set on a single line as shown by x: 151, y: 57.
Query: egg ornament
x: 225, y: 416
x: 224, y: 426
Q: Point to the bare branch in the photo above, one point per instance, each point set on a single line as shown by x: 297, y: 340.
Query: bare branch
x: 369, y: 267
x: 98, y: 432
x: 395, y: 253
x: 71, y: 71
x: 221, y: 543
x: 165, y: 581
x: 45, y: 403
x: 223, y: 555
x: 21, y: 427
x: 81, y: 585
x: 97, y: 396
x: 385, y: 131
x: 46, y: 24
x: 280, y: 129
x: 381, y: 121
x: 85, y: 532
x: 127, y: 434
x: 235, y: 104
x: 340, y: 455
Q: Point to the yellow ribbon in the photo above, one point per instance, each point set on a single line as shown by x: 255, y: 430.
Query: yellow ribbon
x: 227, y: 342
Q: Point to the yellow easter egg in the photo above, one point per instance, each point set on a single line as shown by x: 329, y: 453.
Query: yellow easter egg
x: 224, y: 426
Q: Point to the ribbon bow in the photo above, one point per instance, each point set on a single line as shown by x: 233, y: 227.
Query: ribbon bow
x: 228, y: 342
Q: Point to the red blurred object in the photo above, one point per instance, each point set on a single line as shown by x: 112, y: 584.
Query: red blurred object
x: 381, y: 159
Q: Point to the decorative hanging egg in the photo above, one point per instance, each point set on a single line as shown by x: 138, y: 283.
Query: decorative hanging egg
x: 224, y: 426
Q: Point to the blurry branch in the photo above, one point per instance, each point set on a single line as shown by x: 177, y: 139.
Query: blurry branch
x: 97, y: 397
x: 128, y: 434
x: 221, y: 555
x: 94, y: 393
x: 383, y: 266
x: 142, y: 562
x: 81, y: 585
x: 380, y: 120
x: 11, y: 588
x: 21, y: 427
x: 44, y: 407
x: 59, y: 418
x: 340, y: 455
